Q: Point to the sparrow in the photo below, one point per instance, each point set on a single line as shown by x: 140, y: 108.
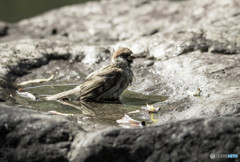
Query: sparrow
x: 107, y: 83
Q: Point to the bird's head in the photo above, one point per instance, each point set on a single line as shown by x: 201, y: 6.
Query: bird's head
x: 123, y: 55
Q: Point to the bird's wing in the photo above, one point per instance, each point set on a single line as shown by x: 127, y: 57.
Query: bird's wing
x: 100, y: 81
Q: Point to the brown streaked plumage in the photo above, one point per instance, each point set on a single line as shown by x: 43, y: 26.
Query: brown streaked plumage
x: 107, y: 83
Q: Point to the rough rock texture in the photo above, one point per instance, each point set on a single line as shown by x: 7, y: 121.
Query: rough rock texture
x: 189, y: 44
x: 181, y: 46
x: 6, y: 89
x: 113, y: 21
x: 190, y: 140
x: 3, y: 29
x: 31, y: 136
x: 18, y: 57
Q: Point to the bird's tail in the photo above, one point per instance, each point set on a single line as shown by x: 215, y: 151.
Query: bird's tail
x: 60, y: 95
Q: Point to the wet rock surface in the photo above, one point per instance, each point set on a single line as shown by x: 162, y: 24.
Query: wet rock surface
x: 180, y: 47
x: 32, y: 136
x: 189, y: 140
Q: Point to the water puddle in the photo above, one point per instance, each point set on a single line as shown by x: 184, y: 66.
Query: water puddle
x: 92, y: 115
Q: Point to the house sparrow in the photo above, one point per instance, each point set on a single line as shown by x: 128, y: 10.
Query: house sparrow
x: 107, y: 83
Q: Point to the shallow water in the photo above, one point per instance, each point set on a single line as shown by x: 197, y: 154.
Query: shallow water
x: 98, y: 113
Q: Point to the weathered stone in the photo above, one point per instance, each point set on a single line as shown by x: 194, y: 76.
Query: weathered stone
x: 188, y: 57
x: 190, y: 140
x: 111, y: 21
x: 186, y: 54
x: 32, y: 136
x: 180, y: 47
x: 19, y: 57
x: 7, y: 89
x: 3, y: 29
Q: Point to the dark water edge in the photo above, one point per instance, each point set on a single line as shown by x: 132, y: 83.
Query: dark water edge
x: 16, y: 10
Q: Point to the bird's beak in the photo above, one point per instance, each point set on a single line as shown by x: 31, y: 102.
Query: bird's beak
x: 131, y: 57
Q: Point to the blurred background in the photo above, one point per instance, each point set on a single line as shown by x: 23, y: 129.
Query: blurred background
x: 15, y: 10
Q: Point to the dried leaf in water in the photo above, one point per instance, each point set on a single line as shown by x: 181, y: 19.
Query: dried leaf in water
x: 198, y: 93
x: 26, y: 95
x: 134, y: 112
x: 127, y: 122
x: 59, y: 113
x: 152, y: 118
x: 36, y: 81
x: 151, y: 108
